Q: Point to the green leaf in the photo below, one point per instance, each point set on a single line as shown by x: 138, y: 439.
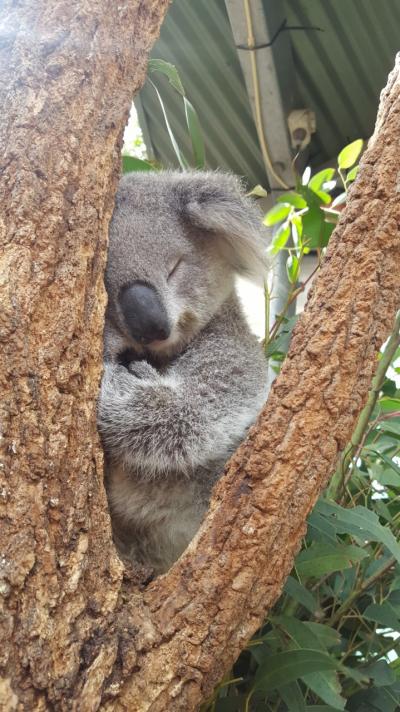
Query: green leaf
x: 282, y: 668
x: 324, y: 684
x: 293, y: 697
x: 316, y: 230
x: 281, y: 342
x: 384, y: 699
x: 294, y: 199
x: 181, y: 158
x: 387, y: 405
x: 193, y: 124
x: 359, y: 521
x: 277, y: 214
x: 259, y: 192
x: 349, y: 154
x: 384, y: 614
x: 169, y: 70
x: 292, y: 268
x: 192, y: 119
x: 352, y: 175
x: 324, y: 197
x: 328, y: 637
x: 387, y: 477
x: 381, y: 673
x: 383, y: 457
x: 131, y: 163
x: 321, y: 708
x: 299, y: 593
x: 320, y: 528
x: 318, y: 180
x: 390, y: 426
x: 279, y: 239
x: 322, y: 559
x: 297, y: 227
x: 228, y: 704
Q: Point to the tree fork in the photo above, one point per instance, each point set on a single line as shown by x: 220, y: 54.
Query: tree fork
x: 76, y: 635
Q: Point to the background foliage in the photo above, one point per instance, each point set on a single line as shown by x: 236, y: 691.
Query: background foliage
x: 331, y: 641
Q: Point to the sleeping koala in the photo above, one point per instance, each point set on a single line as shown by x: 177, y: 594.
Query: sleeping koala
x: 184, y: 378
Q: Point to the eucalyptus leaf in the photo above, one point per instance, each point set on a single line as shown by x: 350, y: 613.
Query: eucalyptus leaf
x: 382, y: 699
x: 349, y: 154
x: 301, y: 594
x: 169, y: 70
x: 258, y: 191
x: 328, y: 637
x: 292, y: 268
x: 352, y: 175
x: 281, y: 342
x: 388, y: 405
x: 279, y: 239
x: 193, y: 124
x: 321, y: 708
x: 324, y: 530
x: 318, y: 180
x: 282, y: 668
x: 321, y: 559
x: 131, y: 164
x: 381, y: 673
x: 277, y: 214
x: 361, y: 521
x: 384, y: 614
x: 293, y: 697
x: 325, y: 684
x: 294, y: 199
x: 180, y: 156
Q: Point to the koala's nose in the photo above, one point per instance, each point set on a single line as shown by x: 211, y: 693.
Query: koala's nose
x: 144, y: 313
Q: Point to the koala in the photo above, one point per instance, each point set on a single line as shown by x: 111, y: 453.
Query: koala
x: 184, y: 377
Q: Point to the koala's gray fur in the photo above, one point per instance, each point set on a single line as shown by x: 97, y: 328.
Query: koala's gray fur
x: 174, y: 412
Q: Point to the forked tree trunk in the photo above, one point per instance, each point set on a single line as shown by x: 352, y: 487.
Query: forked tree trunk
x: 75, y: 634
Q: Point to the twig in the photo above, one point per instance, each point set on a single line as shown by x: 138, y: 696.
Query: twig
x: 358, y: 591
x: 338, y: 480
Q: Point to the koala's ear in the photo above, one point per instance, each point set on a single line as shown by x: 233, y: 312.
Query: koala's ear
x: 216, y: 203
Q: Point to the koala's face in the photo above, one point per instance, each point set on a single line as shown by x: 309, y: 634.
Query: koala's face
x: 176, y: 240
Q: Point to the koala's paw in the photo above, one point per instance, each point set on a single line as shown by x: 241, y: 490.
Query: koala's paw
x: 143, y: 370
x: 116, y: 379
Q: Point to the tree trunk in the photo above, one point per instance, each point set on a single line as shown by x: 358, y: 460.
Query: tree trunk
x: 68, y: 72
x: 76, y: 635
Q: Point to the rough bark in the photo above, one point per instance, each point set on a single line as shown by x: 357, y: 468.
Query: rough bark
x: 76, y: 635
x: 68, y: 72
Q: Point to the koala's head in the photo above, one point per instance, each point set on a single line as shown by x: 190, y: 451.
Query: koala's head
x: 176, y: 242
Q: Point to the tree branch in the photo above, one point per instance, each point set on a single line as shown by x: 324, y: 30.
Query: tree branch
x: 204, y: 611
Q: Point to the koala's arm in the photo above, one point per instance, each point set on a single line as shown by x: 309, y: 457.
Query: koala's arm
x: 187, y: 418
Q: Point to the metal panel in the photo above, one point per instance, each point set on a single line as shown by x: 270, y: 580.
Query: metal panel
x: 339, y: 74
x: 197, y: 38
x: 342, y: 68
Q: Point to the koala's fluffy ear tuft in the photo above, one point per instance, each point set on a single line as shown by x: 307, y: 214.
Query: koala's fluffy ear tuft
x: 216, y: 203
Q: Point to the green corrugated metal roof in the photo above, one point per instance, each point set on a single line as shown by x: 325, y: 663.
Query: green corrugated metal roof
x: 340, y: 71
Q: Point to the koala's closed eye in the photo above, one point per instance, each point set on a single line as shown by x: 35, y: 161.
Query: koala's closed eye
x: 175, y: 268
